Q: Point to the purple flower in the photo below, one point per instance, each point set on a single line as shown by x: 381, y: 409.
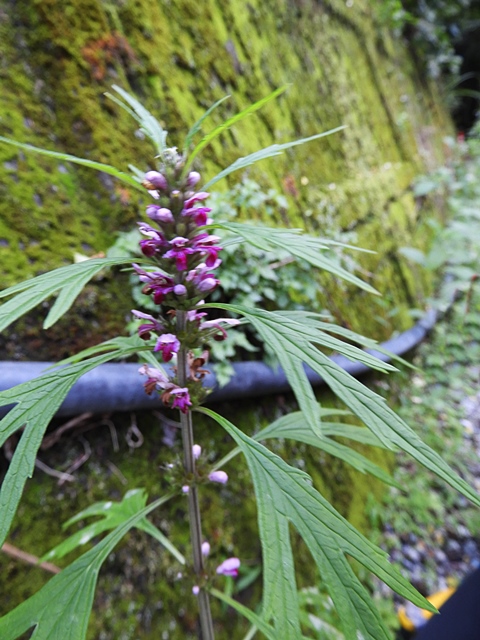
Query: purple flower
x: 196, y: 451
x: 185, y: 488
x: 181, y: 399
x: 155, y: 180
x: 155, y: 282
x: 229, y: 567
x: 205, y: 549
x: 203, y: 281
x: 205, y: 244
x: 215, y: 324
x: 201, y: 195
x: 145, y: 329
x: 195, y: 589
x: 168, y: 344
x: 156, y: 379
x: 179, y: 252
x: 218, y: 476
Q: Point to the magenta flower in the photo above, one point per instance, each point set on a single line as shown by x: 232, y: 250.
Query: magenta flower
x: 218, y: 476
x: 155, y: 282
x: 168, y: 344
x: 229, y: 567
x: 179, y: 252
x: 156, y: 379
x: 145, y: 329
x: 205, y: 244
x: 181, y: 399
x: 203, y: 281
x: 201, y: 195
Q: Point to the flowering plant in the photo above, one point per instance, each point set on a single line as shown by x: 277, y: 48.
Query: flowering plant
x: 181, y: 256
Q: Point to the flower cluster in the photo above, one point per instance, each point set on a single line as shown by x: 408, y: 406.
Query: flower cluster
x: 183, y: 258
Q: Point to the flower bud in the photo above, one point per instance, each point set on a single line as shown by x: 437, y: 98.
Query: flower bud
x: 229, y: 567
x: 196, y: 451
x: 156, y: 179
x: 205, y: 549
x: 195, y: 590
x: 185, y: 488
x: 193, y: 178
x: 180, y: 290
x: 218, y: 476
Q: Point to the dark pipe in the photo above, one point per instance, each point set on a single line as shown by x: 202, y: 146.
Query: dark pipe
x: 119, y: 387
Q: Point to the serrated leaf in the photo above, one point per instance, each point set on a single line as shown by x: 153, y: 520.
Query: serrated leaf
x: 67, y: 281
x: 198, y: 124
x: 263, y: 154
x: 36, y: 402
x: 231, y: 121
x: 266, y: 629
x: 293, y: 349
x: 148, y: 123
x: 61, y: 609
x: 98, y: 166
x: 112, y: 514
x: 295, y: 243
x: 284, y: 494
x: 295, y: 427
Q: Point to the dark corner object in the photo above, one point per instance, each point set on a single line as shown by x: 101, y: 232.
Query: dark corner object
x: 118, y: 386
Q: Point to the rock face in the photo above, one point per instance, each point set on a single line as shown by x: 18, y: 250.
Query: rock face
x: 60, y: 56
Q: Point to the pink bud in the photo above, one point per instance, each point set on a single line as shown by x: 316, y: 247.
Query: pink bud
x: 196, y: 450
x: 193, y: 178
x: 229, y: 567
x: 205, y: 549
x: 218, y: 476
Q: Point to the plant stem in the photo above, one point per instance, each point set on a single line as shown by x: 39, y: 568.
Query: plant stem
x: 206, y: 623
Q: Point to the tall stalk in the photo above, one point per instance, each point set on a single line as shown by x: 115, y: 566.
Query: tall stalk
x: 193, y: 504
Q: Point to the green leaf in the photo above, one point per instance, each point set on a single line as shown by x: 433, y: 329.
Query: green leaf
x: 231, y: 121
x: 61, y: 609
x: 112, y: 514
x: 36, y: 402
x: 295, y: 243
x: 148, y: 123
x: 295, y: 427
x: 290, y: 342
x: 67, y: 281
x: 266, y: 629
x: 198, y: 124
x: 285, y: 495
x: 263, y: 154
x: 105, y: 168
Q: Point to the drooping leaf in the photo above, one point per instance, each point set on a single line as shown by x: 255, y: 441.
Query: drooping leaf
x: 61, y: 609
x: 112, y: 514
x: 266, y: 629
x: 231, y: 121
x: 36, y: 402
x: 105, y: 168
x: 290, y: 342
x: 284, y: 495
x: 295, y: 243
x: 148, y: 123
x: 198, y: 124
x: 263, y: 154
x: 67, y: 281
x: 295, y: 427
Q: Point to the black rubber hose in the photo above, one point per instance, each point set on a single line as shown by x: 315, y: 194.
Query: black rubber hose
x: 119, y: 387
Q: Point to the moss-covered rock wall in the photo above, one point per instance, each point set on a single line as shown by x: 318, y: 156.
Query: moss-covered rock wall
x: 60, y: 56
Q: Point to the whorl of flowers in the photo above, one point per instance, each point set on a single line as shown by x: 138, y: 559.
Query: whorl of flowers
x: 183, y: 259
